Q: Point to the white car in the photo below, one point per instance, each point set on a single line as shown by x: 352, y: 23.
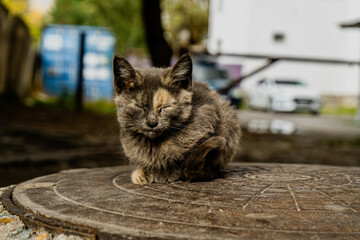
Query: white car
x: 283, y: 95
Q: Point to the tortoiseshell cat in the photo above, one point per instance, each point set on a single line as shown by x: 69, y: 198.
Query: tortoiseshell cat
x: 172, y: 128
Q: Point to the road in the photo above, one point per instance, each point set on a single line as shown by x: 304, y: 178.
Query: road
x: 303, y: 124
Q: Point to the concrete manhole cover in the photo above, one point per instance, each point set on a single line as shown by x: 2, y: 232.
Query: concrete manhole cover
x: 264, y: 201
x: 280, y: 177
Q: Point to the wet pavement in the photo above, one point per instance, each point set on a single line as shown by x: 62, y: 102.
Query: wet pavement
x: 253, y: 201
x: 302, y: 124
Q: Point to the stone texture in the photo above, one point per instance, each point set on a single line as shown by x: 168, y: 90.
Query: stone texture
x: 12, y: 228
x: 253, y: 201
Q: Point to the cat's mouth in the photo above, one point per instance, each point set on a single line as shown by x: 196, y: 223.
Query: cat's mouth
x: 151, y: 130
x: 152, y: 133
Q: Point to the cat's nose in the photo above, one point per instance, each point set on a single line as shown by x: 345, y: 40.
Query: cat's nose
x: 152, y: 124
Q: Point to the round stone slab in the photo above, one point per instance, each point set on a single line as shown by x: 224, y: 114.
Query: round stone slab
x: 253, y: 201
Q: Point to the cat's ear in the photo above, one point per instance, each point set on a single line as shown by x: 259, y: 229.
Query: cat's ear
x: 181, y: 73
x: 124, y: 74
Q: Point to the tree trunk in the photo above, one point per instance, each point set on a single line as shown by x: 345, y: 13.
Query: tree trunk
x: 159, y: 49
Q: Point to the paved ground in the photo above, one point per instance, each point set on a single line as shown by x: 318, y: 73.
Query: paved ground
x: 304, y: 124
x: 254, y: 201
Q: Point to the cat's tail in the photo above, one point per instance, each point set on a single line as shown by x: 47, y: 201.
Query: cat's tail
x: 211, y: 157
x: 230, y: 129
x: 201, y: 164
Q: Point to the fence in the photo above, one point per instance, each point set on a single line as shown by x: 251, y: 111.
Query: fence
x: 17, y: 55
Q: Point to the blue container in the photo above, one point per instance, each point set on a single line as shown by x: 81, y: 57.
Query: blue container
x: 60, y: 55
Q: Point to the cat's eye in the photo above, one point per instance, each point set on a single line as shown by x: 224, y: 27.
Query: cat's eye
x: 160, y: 110
x: 139, y: 106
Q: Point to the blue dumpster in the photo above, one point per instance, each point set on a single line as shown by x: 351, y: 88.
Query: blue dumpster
x: 60, y: 55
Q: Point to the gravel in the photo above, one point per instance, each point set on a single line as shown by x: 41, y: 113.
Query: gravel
x: 11, y: 227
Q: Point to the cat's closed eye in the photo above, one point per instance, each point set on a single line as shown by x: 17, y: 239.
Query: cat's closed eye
x: 142, y: 107
x: 161, y: 109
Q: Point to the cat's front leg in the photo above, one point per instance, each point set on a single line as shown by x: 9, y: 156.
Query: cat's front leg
x: 138, y: 177
x: 154, y: 177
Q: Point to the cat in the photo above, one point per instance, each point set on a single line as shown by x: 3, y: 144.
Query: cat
x: 171, y: 127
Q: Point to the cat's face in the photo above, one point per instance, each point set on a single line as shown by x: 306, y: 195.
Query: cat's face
x: 153, y: 102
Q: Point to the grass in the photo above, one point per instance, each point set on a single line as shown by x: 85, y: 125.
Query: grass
x: 338, y: 110
x: 342, y: 142
x: 101, y: 106
x: 67, y: 102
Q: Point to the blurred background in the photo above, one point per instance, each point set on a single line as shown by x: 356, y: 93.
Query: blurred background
x: 291, y: 68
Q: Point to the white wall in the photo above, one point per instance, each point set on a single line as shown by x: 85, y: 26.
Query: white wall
x: 311, y: 29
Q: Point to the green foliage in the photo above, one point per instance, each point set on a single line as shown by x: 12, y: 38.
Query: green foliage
x: 123, y: 17
x: 186, y: 15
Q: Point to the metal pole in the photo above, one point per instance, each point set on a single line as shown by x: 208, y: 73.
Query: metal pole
x: 237, y: 81
x: 294, y: 59
x: 80, y: 87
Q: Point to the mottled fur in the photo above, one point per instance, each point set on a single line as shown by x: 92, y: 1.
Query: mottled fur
x: 172, y: 128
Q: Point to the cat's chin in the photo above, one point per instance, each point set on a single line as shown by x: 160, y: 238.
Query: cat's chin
x: 151, y: 134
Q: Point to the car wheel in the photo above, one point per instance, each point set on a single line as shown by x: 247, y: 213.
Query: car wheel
x: 269, y: 105
x: 314, y: 112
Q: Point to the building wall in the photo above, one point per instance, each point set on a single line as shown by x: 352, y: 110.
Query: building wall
x: 310, y: 28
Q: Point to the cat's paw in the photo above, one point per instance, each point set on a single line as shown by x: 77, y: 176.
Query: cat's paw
x: 165, y: 178
x: 173, y: 177
x: 155, y: 178
x: 138, y: 177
